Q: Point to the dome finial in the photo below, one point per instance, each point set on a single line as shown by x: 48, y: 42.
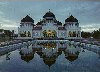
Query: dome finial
x: 49, y: 10
x: 70, y: 14
x: 49, y: 14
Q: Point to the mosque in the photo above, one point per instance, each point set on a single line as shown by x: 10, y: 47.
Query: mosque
x: 49, y: 28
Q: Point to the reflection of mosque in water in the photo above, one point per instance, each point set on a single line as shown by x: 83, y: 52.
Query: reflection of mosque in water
x: 49, y: 52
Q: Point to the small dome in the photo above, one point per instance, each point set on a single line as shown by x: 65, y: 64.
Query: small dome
x: 59, y: 23
x: 39, y: 23
x: 27, y: 19
x: 49, y: 14
x: 71, y: 19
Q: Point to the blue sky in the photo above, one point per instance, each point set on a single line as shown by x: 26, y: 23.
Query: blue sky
x: 87, y: 12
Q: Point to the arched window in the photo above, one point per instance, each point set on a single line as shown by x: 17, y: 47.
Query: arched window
x: 78, y: 33
x: 29, y: 34
x: 44, y: 33
x: 49, y: 33
x: 25, y: 34
x: 74, y: 33
x: 69, y: 34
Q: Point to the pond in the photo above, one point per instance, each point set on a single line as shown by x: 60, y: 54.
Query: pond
x: 50, y: 57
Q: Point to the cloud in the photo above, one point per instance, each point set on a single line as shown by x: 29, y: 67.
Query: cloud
x: 87, y: 12
x: 90, y: 27
x: 7, y: 24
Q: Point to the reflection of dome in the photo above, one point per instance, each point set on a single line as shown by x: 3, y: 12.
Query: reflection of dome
x: 27, y: 57
x: 49, y: 61
x: 71, y: 57
x: 27, y: 19
x: 49, y: 14
x: 71, y: 19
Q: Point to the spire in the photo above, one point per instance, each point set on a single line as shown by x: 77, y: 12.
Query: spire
x: 69, y: 13
x: 49, y: 10
x: 29, y: 14
x: 49, y: 14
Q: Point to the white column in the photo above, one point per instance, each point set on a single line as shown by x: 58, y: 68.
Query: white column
x: 80, y: 33
x: 76, y: 33
x: 18, y: 32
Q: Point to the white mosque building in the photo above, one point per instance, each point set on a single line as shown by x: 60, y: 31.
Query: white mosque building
x: 49, y: 28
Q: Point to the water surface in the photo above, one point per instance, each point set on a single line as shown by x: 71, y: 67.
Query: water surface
x: 50, y: 57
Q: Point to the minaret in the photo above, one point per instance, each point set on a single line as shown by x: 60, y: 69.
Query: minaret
x: 26, y: 26
x: 72, y: 26
x: 71, y: 22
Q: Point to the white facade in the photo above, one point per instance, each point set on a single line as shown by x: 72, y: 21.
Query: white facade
x: 26, y: 27
x: 72, y: 27
x: 49, y: 27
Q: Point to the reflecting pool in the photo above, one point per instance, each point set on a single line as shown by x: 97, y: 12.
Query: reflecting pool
x: 50, y: 57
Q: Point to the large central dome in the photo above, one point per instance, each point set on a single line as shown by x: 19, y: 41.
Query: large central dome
x: 49, y: 14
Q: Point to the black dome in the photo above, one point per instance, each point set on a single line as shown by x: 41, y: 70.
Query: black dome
x: 71, y: 19
x: 39, y: 23
x: 59, y: 23
x: 27, y: 19
x: 49, y: 14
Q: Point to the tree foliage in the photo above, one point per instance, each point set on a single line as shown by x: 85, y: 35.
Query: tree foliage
x: 95, y: 34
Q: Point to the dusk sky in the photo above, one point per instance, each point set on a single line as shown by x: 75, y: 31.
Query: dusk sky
x: 87, y: 12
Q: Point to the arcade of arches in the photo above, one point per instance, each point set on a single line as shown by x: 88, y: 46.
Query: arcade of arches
x: 49, y: 33
x: 25, y: 34
x: 74, y: 34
